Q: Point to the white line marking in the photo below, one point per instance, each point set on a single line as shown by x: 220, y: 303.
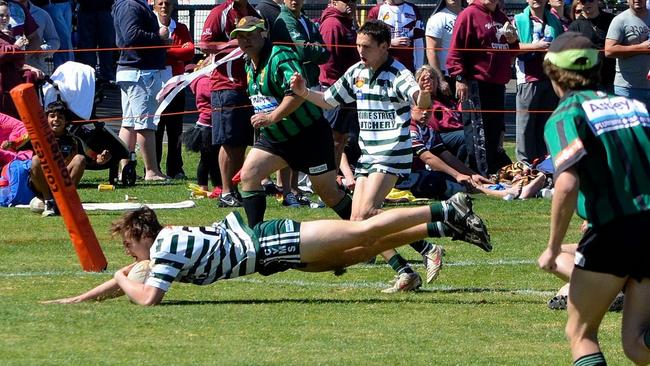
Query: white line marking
x: 498, y: 262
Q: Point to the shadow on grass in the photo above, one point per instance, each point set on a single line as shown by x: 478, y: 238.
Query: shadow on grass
x: 414, y: 297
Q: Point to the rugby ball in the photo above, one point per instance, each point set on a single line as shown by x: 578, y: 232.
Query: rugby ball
x: 36, y: 205
x: 140, y: 271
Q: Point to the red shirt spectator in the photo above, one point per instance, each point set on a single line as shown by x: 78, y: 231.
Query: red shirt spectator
x: 220, y: 22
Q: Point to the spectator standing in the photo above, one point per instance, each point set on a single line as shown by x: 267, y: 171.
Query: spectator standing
x: 593, y: 23
x: 12, y: 63
x: 208, y: 167
x: 231, y: 127
x: 95, y: 29
x: 558, y: 9
x: 61, y: 13
x: 482, y: 76
x: 438, y: 38
x: 339, y: 33
x: 140, y: 77
x: 269, y: 10
x: 23, y: 25
x: 46, y: 33
x: 180, y: 52
x: 407, y: 31
x: 536, y: 27
x: 628, y: 42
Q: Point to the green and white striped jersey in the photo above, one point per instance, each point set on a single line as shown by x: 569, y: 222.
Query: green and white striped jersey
x: 384, y: 98
x: 606, y: 138
x: 203, y: 255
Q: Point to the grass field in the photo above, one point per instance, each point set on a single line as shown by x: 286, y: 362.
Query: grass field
x: 484, y: 309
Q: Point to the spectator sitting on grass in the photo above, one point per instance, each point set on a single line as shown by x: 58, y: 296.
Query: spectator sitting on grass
x: 59, y: 117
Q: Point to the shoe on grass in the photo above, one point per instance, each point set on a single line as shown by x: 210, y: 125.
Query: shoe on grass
x: 433, y: 262
x: 50, y: 208
x: 229, y: 200
x: 467, y: 225
x: 404, y: 282
x: 290, y: 200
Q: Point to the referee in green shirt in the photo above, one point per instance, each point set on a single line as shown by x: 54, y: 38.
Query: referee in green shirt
x: 600, y: 144
x: 293, y: 132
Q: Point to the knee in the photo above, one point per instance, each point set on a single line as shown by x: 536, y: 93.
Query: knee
x: 250, y: 177
x: 364, y: 213
x: 36, y: 162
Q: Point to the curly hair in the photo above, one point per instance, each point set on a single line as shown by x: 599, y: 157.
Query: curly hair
x: 138, y: 224
x: 573, y: 79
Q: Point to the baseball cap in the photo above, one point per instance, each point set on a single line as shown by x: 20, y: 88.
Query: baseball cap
x: 248, y: 24
x: 572, y: 51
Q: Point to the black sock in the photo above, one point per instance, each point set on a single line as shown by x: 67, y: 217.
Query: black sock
x: 438, y: 211
x: 421, y: 246
x: 344, y: 207
x: 255, y: 205
x: 438, y: 230
x: 646, y: 337
x: 594, y: 359
x: 399, y: 264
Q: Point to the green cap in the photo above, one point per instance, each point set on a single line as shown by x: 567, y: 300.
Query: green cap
x: 248, y: 24
x: 572, y: 51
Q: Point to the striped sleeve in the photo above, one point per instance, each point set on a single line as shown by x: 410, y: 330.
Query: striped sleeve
x: 563, y: 140
x: 341, y: 92
x: 168, y: 256
x: 406, y: 86
x: 416, y: 139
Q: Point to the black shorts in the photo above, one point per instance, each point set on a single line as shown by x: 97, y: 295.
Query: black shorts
x: 343, y: 119
x: 279, y: 246
x: 311, y: 151
x: 620, y: 248
x: 231, y: 118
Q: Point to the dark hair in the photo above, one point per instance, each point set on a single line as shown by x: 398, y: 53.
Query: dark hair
x: 59, y: 106
x: 573, y: 79
x: 138, y: 224
x: 378, y: 30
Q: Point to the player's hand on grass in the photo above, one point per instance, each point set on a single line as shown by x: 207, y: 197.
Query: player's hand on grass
x: 546, y: 260
x: 298, y: 85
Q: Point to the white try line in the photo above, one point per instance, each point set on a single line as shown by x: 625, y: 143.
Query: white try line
x: 498, y: 262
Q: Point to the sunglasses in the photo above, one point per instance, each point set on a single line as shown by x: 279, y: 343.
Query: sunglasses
x: 577, y: 11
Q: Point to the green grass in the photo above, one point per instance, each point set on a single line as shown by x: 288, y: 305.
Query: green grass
x: 484, y: 309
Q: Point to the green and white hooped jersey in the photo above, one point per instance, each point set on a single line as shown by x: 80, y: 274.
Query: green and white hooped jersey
x: 606, y: 138
x: 203, y: 255
x: 384, y: 98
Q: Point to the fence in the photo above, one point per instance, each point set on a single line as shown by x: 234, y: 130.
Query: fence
x: 194, y: 16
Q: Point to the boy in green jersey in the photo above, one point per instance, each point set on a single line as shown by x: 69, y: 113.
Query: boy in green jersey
x: 600, y: 144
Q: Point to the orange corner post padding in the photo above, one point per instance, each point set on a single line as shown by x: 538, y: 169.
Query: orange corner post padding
x: 63, y: 188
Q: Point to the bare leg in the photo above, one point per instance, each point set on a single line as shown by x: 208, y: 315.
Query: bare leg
x: 327, y: 240
x: 38, y: 179
x: 147, y: 141
x: 590, y: 295
x: 636, y: 320
x: 284, y: 180
x: 76, y: 168
x: 231, y: 159
x: 127, y: 135
x: 339, y: 145
x: 325, y: 186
